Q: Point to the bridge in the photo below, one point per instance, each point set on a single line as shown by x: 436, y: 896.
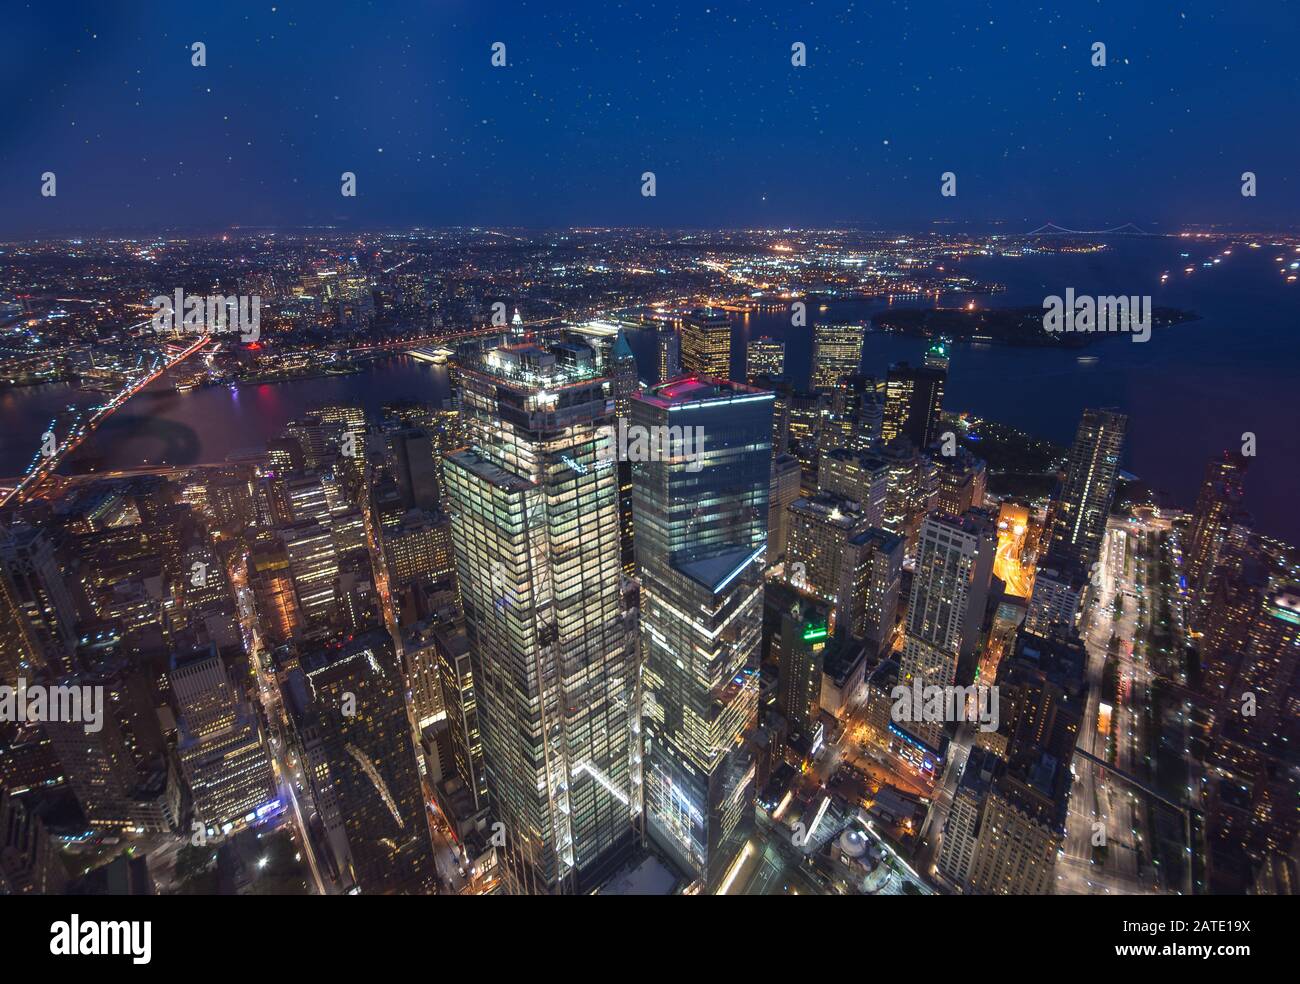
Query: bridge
x: 44, y: 465
x: 1052, y: 229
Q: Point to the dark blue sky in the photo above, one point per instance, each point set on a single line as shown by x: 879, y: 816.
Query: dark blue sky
x: 702, y: 93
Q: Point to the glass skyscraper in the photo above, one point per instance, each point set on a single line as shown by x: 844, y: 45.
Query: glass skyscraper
x: 701, y: 531
x: 535, y: 527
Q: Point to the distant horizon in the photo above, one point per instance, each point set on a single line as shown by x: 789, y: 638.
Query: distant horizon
x: 919, y: 227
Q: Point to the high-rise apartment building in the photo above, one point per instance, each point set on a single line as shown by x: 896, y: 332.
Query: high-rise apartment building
x: 701, y: 537
x: 1079, y: 514
x: 1059, y: 585
x: 945, y: 613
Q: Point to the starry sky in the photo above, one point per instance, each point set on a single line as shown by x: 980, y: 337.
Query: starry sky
x: 700, y: 92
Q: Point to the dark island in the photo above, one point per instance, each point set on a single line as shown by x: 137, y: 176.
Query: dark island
x: 1022, y: 326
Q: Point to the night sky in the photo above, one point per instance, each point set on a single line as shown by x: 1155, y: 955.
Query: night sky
x: 701, y: 93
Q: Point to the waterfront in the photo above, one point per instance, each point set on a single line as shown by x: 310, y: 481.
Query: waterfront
x: 1191, y: 391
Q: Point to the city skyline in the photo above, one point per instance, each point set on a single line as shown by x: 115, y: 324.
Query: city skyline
x: 648, y: 449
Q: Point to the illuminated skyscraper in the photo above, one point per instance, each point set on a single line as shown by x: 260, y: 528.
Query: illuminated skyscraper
x: 701, y: 532
x: 221, y: 748
x: 35, y: 605
x: 799, y: 649
x: 836, y: 354
x: 668, y: 349
x: 950, y: 587
x: 1218, y: 502
x: 271, y: 578
x: 706, y: 343
x: 764, y: 357
x: 913, y: 403
x: 535, y: 527
x: 1079, y: 514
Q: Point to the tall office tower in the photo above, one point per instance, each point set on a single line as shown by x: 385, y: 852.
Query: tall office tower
x: 668, y: 352
x: 1059, y: 584
x: 780, y: 415
x: 1250, y: 813
x: 1022, y: 828
x: 764, y: 357
x: 363, y: 767
x: 1081, y: 509
x: 913, y: 489
x: 1041, y: 696
x: 313, y: 561
x: 706, y: 343
x: 856, y: 415
x: 622, y: 373
x: 954, y: 566
x: 29, y: 859
x: 456, y: 675
x: 321, y: 442
x: 913, y: 403
x: 422, y: 672
x: 275, y: 599
x: 35, y: 603
x: 963, y: 481
x: 348, y: 527
x: 119, y: 773
x: 961, y: 830
x: 785, y: 489
x: 308, y: 499
x: 799, y: 647
x: 271, y: 502
x: 412, y: 455
x: 1267, y: 671
x: 221, y: 748
x: 1219, y: 500
x: 624, y: 384
x: 346, y: 416
x: 875, y: 575
x: 808, y: 412
x: 818, y: 556
x: 836, y: 354
x: 700, y: 541
x: 419, y: 549
x: 857, y: 475
x: 230, y: 500
x: 1241, y: 580
x: 535, y: 526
